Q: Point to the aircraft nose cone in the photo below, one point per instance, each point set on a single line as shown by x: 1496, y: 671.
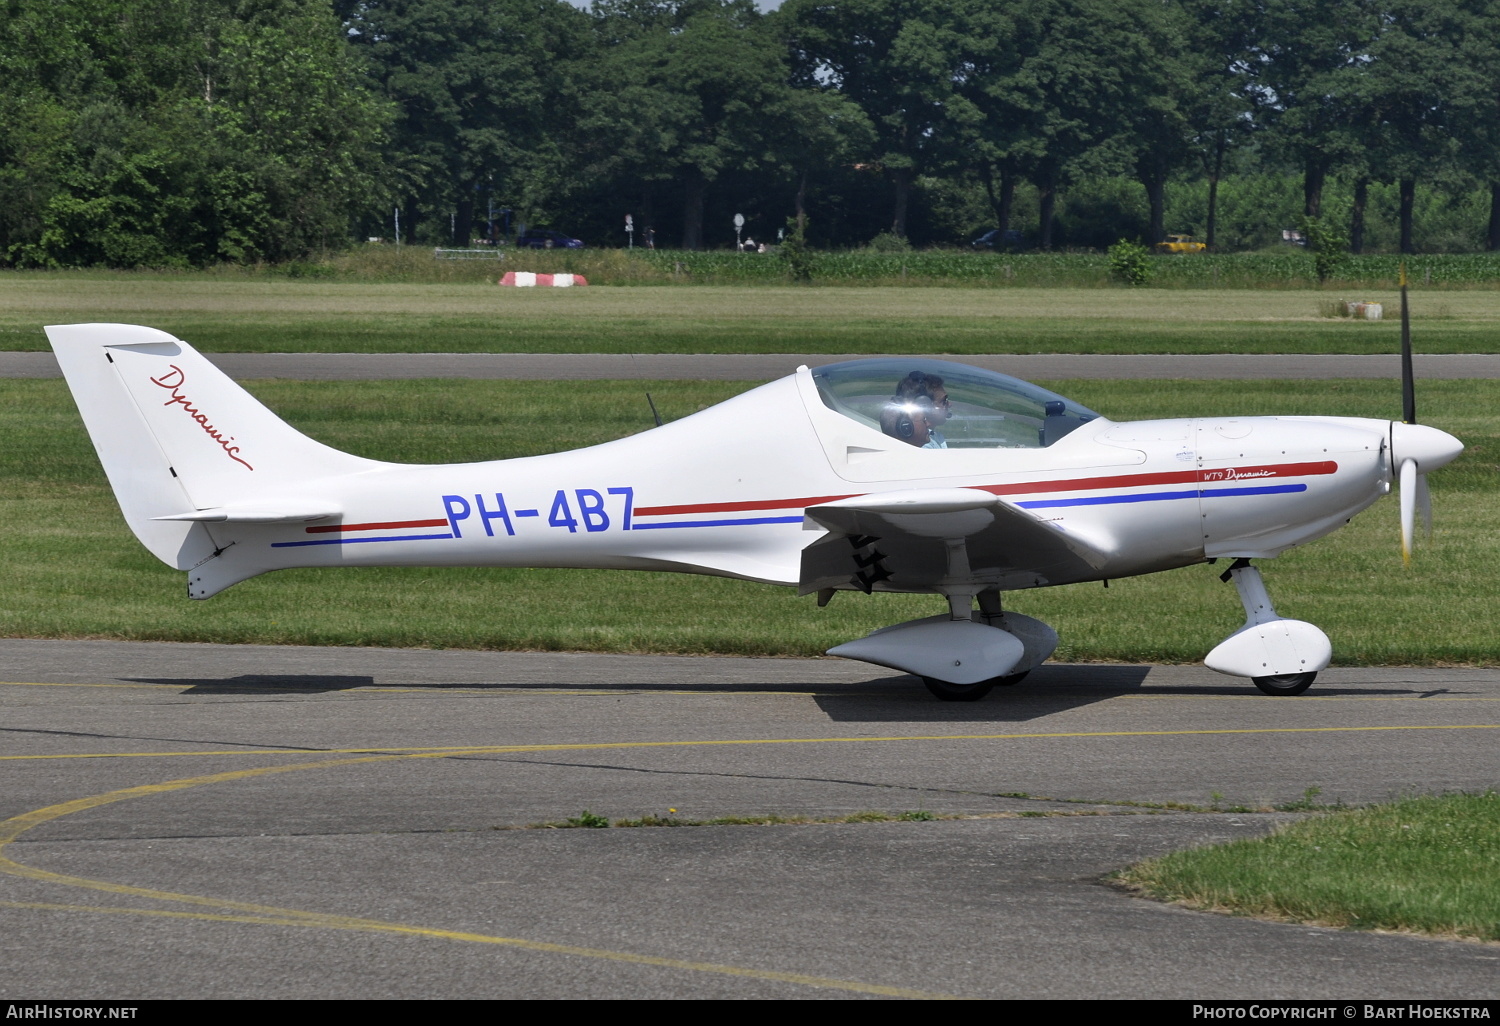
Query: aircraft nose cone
x: 1428, y: 446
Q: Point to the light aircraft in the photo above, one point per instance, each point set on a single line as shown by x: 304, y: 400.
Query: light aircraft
x: 892, y: 475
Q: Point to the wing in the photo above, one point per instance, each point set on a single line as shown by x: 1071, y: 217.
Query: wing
x: 925, y: 539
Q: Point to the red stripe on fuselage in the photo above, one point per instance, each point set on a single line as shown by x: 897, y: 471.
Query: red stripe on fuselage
x: 1195, y: 476
x: 390, y: 525
x: 1083, y: 484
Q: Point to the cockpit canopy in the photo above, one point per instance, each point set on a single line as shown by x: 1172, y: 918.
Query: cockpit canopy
x: 987, y: 410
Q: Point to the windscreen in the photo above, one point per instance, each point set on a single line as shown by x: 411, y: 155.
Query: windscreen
x: 954, y: 406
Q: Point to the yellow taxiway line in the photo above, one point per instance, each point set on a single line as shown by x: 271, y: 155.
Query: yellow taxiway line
x: 250, y: 912
x: 452, y: 750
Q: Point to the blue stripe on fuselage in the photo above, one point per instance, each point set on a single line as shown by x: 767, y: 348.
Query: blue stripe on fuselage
x: 1108, y: 500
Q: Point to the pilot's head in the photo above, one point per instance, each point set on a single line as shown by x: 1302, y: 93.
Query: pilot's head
x: 918, y: 384
x: 911, y: 420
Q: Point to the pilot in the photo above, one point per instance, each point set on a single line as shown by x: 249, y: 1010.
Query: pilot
x: 928, y: 387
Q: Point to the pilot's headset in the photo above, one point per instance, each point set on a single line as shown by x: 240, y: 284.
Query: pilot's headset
x: 912, y: 390
x: 905, y: 405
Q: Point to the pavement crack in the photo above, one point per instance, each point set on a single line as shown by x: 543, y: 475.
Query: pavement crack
x: 164, y: 740
x: 772, y: 776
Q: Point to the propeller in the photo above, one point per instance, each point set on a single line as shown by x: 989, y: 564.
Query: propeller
x: 1415, y: 449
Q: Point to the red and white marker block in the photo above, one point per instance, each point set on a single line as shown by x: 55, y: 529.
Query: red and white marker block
x: 523, y: 279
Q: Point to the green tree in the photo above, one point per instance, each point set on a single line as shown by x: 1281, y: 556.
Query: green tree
x: 480, y: 86
x: 182, y: 132
x: 1305, y: 59
x: 685, y: 92
x: 1163, y: 85
x: 1087, y: 95
x: 897, y: 60
x: 1218, y: 39
x: 1425, y: 84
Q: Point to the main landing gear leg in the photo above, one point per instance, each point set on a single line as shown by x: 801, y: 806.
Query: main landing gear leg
x: 991, y: 613
x: 1281, y: 657
x: 961, y: 608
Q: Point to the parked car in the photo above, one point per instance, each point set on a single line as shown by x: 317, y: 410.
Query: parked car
x: 996, y: 239
x: 541, y: 238
x: 1181, y: 244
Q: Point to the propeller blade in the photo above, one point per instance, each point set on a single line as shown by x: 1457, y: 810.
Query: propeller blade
x: 1408, y: 506
x: 1424, y: 504
x: 1408, y: 378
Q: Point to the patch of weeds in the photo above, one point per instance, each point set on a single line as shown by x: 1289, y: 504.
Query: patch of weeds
x: 1034, y: 815
x: 917, y: 816
x: 1329, y: 245
x: 1309, y: 803
x: 654, y: 821
x: 793, y: 250
x: 770, y: 820
x: 1130, y: 262
x: 868, y: 817
x: 888, y: 242
x: 588, y: 820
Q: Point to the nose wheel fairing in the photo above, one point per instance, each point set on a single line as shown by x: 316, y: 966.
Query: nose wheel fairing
x: 1285, y: 654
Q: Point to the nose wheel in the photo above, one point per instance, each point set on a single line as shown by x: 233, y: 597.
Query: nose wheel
x: 1281, y: 657
x: 1285, y: 683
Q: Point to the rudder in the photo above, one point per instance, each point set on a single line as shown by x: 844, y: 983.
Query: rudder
x: 177, y: 436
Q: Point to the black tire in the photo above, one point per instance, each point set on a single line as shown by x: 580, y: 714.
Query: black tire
x: 1285, y: 684
x: 958, y: 692
x: 1007, y: 681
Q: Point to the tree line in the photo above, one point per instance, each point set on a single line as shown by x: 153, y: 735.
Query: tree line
x: 190, y: 132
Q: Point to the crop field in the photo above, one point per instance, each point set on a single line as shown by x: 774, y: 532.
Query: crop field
x: 72, y: 569
x: 1281, y: 268
x: 223, y: 313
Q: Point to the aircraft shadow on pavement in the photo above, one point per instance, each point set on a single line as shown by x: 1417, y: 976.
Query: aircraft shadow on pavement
x: 1046, y: 690
x: 261, y: 683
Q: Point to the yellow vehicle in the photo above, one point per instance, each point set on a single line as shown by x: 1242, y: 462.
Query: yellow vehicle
x: 1181, y: 244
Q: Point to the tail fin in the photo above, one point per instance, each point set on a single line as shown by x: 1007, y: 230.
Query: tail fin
x: 181, y: 442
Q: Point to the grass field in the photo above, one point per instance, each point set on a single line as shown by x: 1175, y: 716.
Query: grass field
x: 1426, y: 864
x: 239, y: 314
x: 71, y: 568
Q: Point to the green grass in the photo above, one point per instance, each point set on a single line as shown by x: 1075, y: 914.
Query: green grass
x: 1427, y: 864
x: 239, y: 314
x: 72, y: 569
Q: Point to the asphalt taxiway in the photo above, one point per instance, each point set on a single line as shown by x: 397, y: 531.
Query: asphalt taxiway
x: 249, y: 821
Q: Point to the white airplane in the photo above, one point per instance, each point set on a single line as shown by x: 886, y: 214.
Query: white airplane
x: 892, y: 475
